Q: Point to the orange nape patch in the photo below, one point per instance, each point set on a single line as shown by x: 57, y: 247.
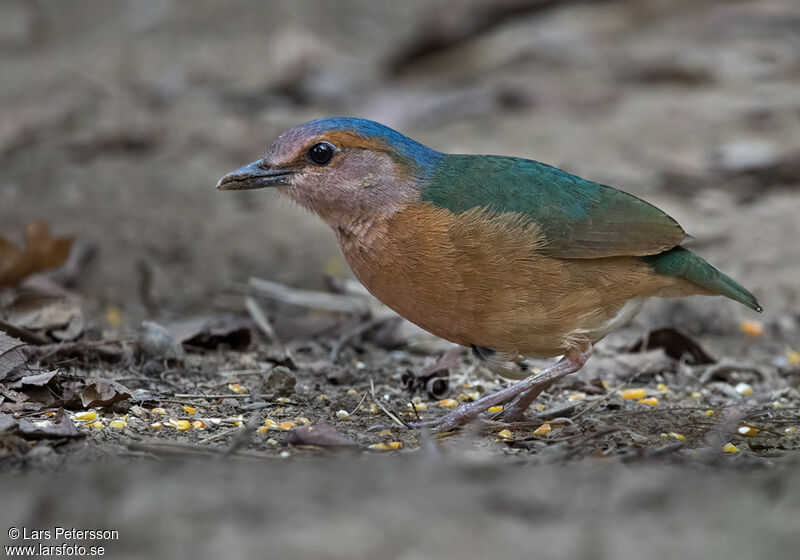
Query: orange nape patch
x: 480, y: 278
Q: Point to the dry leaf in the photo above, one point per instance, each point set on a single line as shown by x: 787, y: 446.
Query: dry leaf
x: 59, y: 426
x: 11, y: 355
x: 59, y: 316
x: 103, y: 392
x: 42, y: 252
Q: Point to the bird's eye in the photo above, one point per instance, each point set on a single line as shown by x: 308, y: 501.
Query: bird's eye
x: 321, y: 153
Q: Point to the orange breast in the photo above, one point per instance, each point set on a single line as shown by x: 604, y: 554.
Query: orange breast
x: 478, y: 278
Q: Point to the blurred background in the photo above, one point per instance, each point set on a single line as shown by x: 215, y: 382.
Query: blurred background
x: 117, y: 119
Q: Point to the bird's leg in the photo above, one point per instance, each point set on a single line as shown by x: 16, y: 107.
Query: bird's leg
x: 532, y: 385
x: 516, y: 410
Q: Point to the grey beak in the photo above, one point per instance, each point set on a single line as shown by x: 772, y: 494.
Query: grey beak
x: 254, y: 176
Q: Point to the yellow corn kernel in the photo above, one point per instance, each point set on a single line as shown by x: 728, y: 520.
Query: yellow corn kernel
x: 283, y: 400
x: 270, y: 424
x: 182, y: 425
x: 495, y: 409
x: 342, y: 415
x: 605, y: 384
x: 50, y: 413
x: 747, y: 430
x: 730, y: 448
x: 189, y: 410
x: 709, y: 412
x: 696, y: 394
x: 113, y: 315
x: 374, y: 409
x: 118, y: 424
x: 288, y: 425
x: 543, y: 429
x: 198, y: 425
x: 385, y: 433
x: 448, y: 403
x: 156, y: 425
x: 324, y: 398
x: 96, y: 425
x: 505, y: 434
x: 158, y: 410
x: 790, y: 430
x: 263, y: 429
x: 236, y: 388
x: 664, y: 435
x: 633, y: 394
x: 776, y: 404
x: 652, y: 401
x: 271, y: 441
x: 752, y: 328
x: 540, y: 407
x: 793, y: 357
x: 87, y: 416
x: 676, y: 435
x: 744, y: 389
x: 386, y: 446
x: 662, y: 388
x: 576, y: 396
x: 302, y: 420
x: 352, y: 391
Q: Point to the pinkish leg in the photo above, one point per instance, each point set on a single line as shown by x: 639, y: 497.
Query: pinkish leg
x: 525, y: 392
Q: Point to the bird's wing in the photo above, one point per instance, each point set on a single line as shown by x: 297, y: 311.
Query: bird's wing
x: 580, y: 219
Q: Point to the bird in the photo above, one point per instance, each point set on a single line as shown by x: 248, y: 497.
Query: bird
x: 508, y: 256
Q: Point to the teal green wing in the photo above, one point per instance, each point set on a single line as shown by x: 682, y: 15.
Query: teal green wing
x: 579, y: 218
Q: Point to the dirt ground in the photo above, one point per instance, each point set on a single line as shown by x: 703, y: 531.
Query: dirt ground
x: 148, y: 394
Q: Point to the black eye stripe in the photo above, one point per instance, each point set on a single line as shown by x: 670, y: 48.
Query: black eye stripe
x: 321, y: 153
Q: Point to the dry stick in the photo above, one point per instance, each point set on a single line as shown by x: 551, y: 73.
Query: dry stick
x: 244, y: 435
x: 351, y: 334
x: 385, y: 409
x: 260, y: 319
x: 309, y: 298
x: 210, y: 396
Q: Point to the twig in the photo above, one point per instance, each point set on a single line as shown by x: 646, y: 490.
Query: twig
x: 309, y: 298
x: 243, y: 436
x: 260, y: 319
x: 210, y: 396
x: 351, y: 334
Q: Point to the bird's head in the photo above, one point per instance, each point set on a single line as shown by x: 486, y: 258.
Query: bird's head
x: 341, y: 168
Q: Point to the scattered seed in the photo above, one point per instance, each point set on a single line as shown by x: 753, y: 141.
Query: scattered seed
x: 236, y: 388
x: 198, y: 425
x: 158, y: 410
x: 652, y: 401
x: 448, y: 403
x: 633, y: 394
x: 118, y: 424
x: 386, y: 446
x: 752, y: 328
x: 543, y: 429
x: 577, y: 396
x: 662, y: 388
x: 189, y: 410
x: 342, y: 415
x: 744, y: 388
x: 87, y: 416
x: 505, y: 435
x: 747, y: 430
x: 495, y: 409
x: 730, y: 448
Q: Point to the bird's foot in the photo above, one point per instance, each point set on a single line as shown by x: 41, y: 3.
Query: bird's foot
x: 524, y: 392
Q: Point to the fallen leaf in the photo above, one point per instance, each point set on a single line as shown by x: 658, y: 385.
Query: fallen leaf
x: 234, y: 331
x: 11, y: 355
x: 7, y: 423
x: 38, y: 379
x: 60, y: 316
x: 103, y: 392
x: 675, y: 344
x: 322, y: 434
x: 59, y: 426
x: 42, y: 251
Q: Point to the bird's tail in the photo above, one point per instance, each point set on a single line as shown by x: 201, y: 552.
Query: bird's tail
x: 682, y: 263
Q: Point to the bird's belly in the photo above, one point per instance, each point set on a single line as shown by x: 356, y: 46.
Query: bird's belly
x: 476, y: 283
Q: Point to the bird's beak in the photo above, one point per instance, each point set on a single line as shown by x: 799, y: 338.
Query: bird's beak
x: 254, y: 176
